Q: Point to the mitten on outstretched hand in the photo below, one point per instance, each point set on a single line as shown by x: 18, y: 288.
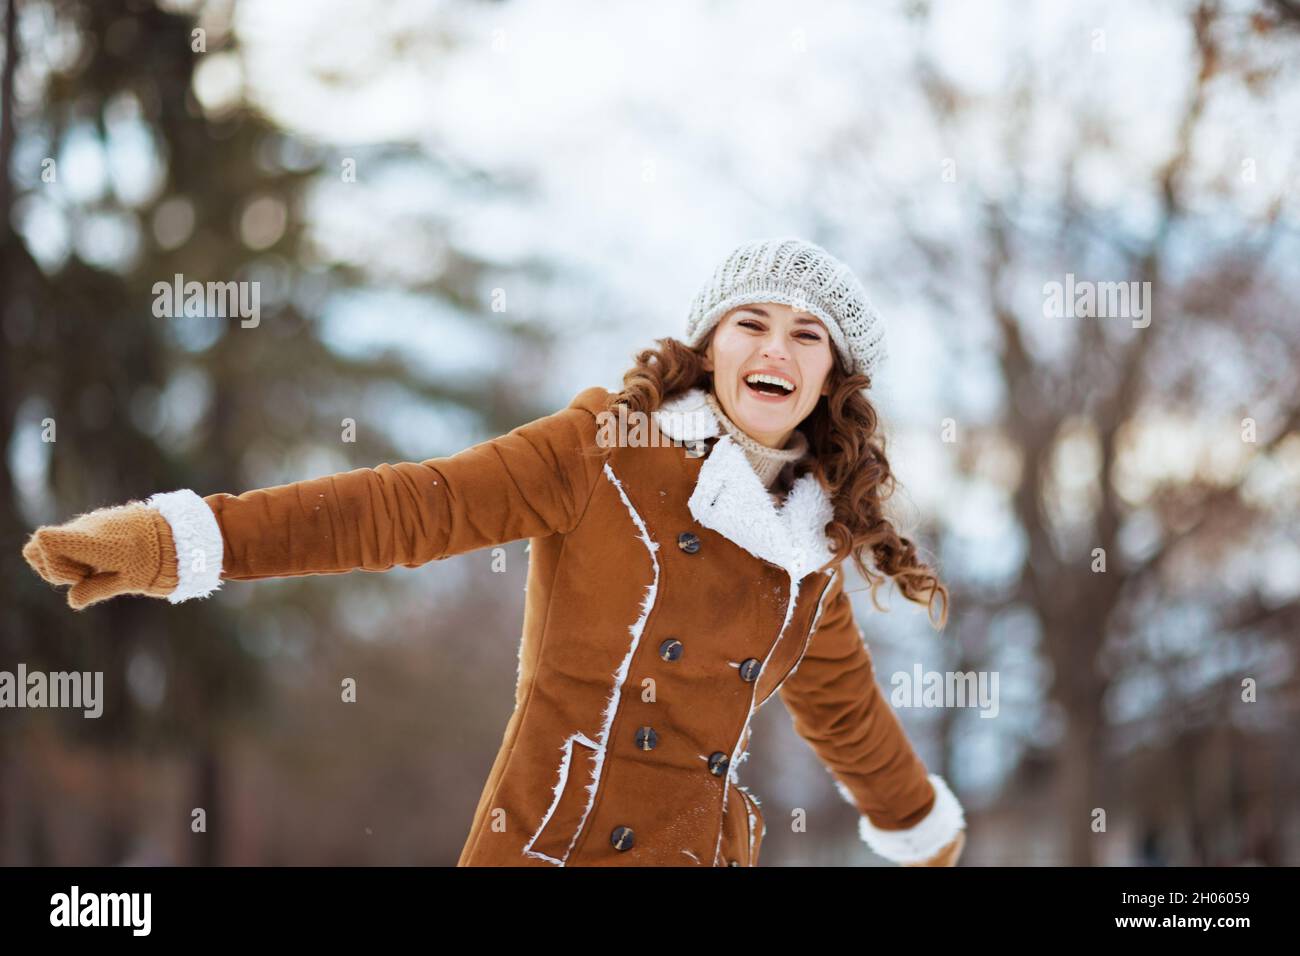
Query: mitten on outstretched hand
x: 127, y: 549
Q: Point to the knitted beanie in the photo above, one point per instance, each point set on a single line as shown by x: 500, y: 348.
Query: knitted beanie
x: 804, y: 276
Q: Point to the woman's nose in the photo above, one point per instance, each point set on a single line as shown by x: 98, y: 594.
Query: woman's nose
x: 773, y: 348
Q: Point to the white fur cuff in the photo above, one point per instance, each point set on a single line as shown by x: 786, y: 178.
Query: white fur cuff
x: 924, y: 840
x: 198, y: 543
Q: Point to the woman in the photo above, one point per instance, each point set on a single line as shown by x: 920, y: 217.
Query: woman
x: 687, y: 537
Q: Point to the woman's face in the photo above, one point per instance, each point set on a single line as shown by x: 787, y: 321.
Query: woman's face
x: 774, y: 340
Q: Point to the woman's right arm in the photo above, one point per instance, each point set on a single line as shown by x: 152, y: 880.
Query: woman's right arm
x: 533, y: 481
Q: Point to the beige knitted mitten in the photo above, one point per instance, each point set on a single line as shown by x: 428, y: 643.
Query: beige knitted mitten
x: 127, y: 549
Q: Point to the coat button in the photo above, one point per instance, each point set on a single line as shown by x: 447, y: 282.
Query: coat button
x: 671, y: 649
x: 717, y: 763
x: 696, y: 449
x: 622, y: 838
x: 646, y: 738
x: 733, y: 863
x: 749, y: 669
x: 688, y: 542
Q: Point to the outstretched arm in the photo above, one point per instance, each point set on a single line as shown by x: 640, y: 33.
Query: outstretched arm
x: 533, y: 481
x: 908, y: 816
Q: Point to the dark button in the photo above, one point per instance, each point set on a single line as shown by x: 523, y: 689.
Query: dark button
x: 717, y: 763
x: 622, y: 838
x: 670, y: 649
x: 749, y: 669
x: 688, y: 542
x: 696, y: 449
x: 646, y: 738
x: 733, y: 863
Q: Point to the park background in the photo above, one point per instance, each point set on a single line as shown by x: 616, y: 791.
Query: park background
x: 461, y: 214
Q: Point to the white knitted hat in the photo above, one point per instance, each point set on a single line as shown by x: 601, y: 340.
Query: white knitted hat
x: 802, y: 275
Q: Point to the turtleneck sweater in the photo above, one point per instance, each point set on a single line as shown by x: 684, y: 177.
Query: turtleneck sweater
x: 766, y: 461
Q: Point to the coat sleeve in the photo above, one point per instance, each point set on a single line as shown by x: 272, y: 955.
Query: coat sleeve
x: 836, y: 705
x: 534, y: 481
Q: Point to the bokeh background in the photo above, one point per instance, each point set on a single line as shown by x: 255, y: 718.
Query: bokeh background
x: 462, y: 213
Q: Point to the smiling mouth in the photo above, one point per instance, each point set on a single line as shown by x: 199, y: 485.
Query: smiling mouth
x: 765, y: 384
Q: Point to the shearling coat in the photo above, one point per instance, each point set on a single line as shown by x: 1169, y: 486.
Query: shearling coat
x: 668, y: 598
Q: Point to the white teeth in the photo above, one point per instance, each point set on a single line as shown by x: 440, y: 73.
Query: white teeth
x: 770, y: 379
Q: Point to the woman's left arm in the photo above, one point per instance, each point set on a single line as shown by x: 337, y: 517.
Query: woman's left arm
x: 909, y: 816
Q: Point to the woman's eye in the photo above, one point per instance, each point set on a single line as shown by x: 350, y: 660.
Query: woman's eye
x: 805, y: 336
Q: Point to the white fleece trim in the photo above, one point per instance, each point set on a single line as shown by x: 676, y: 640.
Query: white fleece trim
x: 924, y: 840
x: 198, y: 541
x: 751, y: 801
x: 687, y: 417
x: 562, y: 778
x: 730, y: 499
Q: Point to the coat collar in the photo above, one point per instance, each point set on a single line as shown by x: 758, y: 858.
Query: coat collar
x: 730, y: 499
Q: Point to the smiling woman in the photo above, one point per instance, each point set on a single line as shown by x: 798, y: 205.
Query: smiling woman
x: 786, y: 309
x: 770, y: 366
x: 673, y: 586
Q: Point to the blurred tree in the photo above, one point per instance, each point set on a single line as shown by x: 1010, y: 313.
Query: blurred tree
x: 1164, y: 623
x: 115, y: 175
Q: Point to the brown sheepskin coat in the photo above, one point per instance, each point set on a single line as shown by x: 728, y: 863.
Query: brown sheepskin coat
x: 668, y: 598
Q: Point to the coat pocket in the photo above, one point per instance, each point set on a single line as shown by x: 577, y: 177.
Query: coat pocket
x: 742, y: 829
x: 560, y: 825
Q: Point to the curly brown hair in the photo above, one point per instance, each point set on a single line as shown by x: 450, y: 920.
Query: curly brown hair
x: 846, y: 452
